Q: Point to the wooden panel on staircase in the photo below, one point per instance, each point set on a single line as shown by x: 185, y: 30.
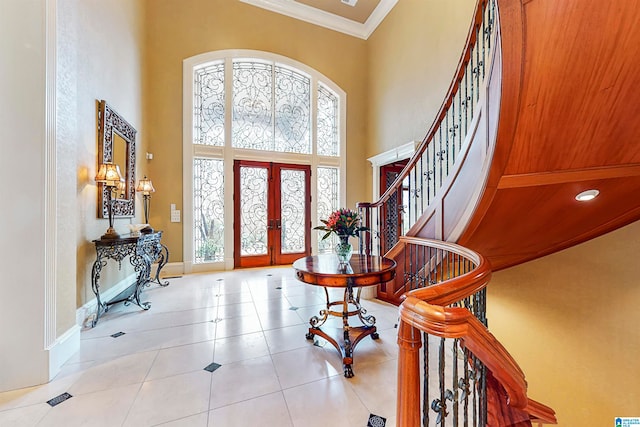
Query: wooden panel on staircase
x: 567, y: 124
x: 458, y: 198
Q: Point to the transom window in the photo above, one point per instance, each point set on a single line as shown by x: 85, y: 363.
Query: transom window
x: 254, y: 105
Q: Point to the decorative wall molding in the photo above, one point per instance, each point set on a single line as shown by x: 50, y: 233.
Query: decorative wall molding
x: 325, y: 19
x: 64, y: 347
x: 404, y: 151
x: 50, y: 236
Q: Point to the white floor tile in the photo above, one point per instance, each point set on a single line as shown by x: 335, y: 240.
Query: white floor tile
x: 241, y: 347
x: 199, y: 420
x: 247, y: 379
x: 302, y: 366
x: 242, y: 319
x: 104, y: 408
x: 287, y: 338
x: 181, y: 359
x: 170, y: 398
x: 279, y: 318
x: 24, y: 417
x: 376, y: 385
x: 125, y: 370
x: 340, y: 404
x: 234, y: 326
x: 269, y: 410
x: 36, y: 395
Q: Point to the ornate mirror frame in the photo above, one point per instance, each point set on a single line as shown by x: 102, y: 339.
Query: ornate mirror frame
x: 111, y: 125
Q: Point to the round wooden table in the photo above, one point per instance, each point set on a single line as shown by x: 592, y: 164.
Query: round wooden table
x: 362, y: 270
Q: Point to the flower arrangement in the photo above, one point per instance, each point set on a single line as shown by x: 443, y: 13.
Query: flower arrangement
x: 343, y: 222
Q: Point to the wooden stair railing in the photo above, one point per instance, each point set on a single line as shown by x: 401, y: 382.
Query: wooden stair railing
x: 487, y: 384
x: 457, y: 146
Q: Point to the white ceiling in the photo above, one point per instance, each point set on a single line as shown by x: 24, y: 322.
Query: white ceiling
x: 359, y: 21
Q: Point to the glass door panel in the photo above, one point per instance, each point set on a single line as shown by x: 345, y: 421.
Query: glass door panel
x: 253, y: 210
x: 292, y: 211
x: 293, y: 215
x: 272, y: 211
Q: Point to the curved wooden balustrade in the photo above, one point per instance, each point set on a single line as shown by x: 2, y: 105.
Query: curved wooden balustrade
x: 434, y: 195
x: 430, y: 310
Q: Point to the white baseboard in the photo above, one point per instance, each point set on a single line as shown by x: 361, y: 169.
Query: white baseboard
x: 86, y: 313
x: 170, y: 269
x: 369, y: 292
x: 64, y: 347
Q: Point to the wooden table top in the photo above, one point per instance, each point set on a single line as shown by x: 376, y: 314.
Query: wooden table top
x: 363, y: 270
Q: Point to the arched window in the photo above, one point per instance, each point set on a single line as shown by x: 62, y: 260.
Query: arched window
x: 254, y: 106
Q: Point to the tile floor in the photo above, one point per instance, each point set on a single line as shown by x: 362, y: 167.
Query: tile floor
x: 252, y: 323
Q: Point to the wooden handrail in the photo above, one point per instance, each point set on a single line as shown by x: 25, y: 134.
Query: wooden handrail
x: 444, y: 108
x: 456, y: 322
x: 456, y: 288
x: 427, y: 310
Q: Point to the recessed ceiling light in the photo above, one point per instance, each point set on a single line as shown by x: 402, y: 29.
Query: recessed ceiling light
x: 351, y: 3
x: 587, y: 195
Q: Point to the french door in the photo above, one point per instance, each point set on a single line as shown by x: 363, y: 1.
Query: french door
x: 272, y: 213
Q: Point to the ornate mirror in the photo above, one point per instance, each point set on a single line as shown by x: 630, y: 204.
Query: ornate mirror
x: 117, y: 144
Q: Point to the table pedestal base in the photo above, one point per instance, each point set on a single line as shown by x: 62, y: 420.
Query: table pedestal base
x: 363, y: 270
x: 346, y: 342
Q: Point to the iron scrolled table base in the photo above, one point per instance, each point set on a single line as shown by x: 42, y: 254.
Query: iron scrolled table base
x: 363, y: 270
x: 142, y: 250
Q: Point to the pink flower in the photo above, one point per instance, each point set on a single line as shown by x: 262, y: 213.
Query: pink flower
x: 342, y: 222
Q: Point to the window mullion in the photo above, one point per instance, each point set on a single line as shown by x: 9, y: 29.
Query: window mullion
x: 228, y: 163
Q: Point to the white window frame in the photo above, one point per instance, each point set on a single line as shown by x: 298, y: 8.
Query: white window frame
x: 229, y: 154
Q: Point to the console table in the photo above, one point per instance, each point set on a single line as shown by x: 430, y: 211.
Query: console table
x: 363, y: 270
x: 143, y: 250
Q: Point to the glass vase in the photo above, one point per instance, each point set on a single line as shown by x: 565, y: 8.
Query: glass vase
x: 343, y: 250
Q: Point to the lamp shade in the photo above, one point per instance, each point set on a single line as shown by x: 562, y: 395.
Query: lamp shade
x: 145, y: 186
x: 109, y: 174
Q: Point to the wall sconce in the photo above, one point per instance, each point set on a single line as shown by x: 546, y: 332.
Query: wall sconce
x: 109, y: 175
x: 145, y: 186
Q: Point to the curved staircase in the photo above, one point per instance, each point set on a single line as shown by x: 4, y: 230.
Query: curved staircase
x: 540, y: 109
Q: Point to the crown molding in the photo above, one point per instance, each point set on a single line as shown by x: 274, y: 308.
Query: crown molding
x: 325, y: 19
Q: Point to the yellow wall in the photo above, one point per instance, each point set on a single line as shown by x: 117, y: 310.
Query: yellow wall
x: 571, y: 321
x: 179, y: 29
x: 100, y: 47
x: 412, y: 59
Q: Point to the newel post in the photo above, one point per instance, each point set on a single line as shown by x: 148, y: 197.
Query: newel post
x: 408, y: 404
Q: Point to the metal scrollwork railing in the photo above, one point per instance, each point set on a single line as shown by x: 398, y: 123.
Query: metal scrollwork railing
x: 417, y: 186
x: 452, y: 379
x: 447, y: 356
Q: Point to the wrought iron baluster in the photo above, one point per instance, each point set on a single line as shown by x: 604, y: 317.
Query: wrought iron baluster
x: 465, y: 389
x: 425, y: 383
x: 484, y: 39
x: 452, y: 147
x: 445, y: 152
x: 479, y: 63
x: 454, y: 375
x: 483, y: 395
x: 462, y: 132
x: 439, y: 405
x: 466, y: 99
x: 422, y: 206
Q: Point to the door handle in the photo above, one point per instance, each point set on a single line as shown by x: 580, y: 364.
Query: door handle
x: 274, y: 224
